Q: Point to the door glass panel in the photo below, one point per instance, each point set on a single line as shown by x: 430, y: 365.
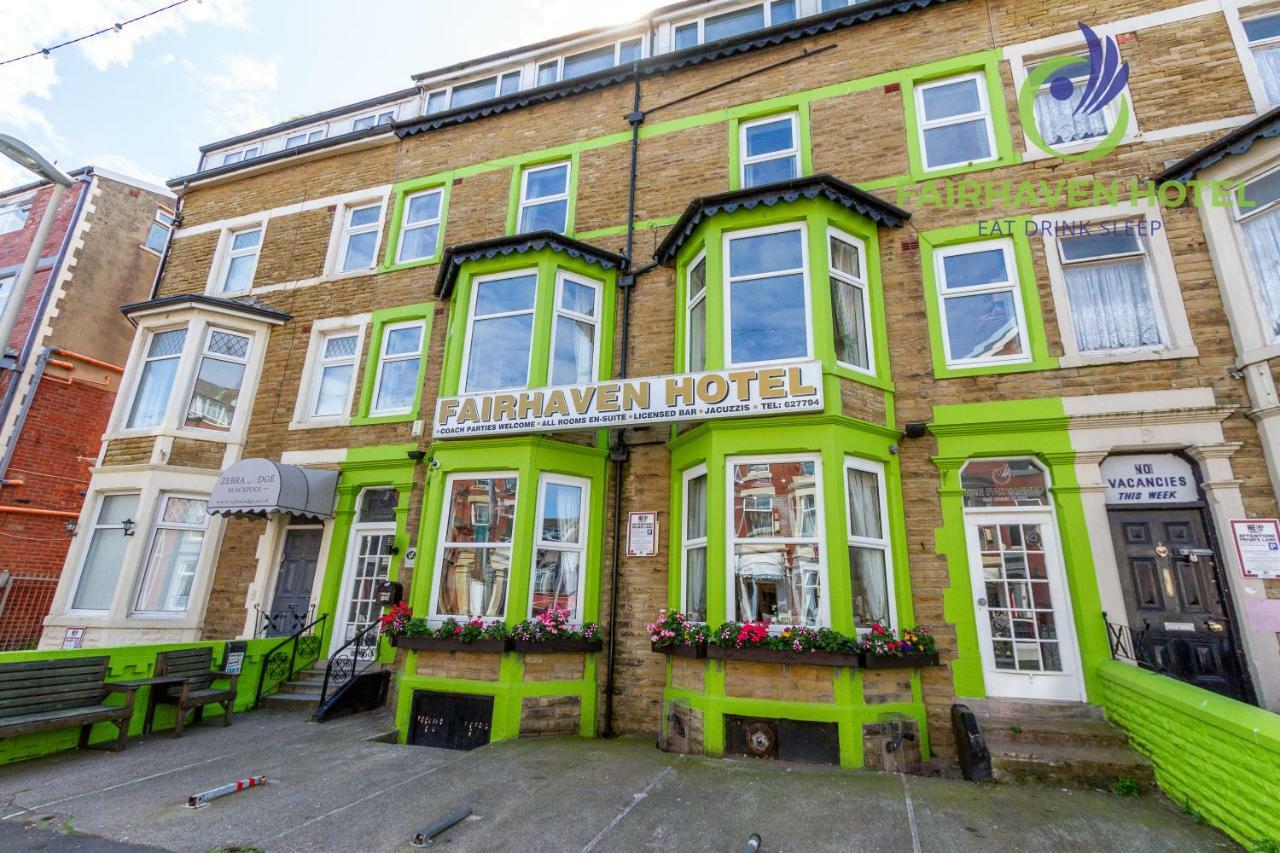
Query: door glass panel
x: 1016, y: 605
x: 373, y: 559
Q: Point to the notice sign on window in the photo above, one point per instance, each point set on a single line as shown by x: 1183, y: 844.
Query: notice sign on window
x: 642, y: 534
x: 1258, y: 546
x: 750, y: 391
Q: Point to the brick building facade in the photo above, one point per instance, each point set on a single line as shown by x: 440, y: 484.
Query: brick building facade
x: 1031, y: 441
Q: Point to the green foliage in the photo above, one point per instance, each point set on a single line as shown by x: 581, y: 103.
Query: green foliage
x: 1265, y: 845
x: 1125, y: 786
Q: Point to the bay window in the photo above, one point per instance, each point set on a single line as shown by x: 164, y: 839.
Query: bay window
x: 983, y: 318
x: 850, y: 308
x: 500, y: 332
x: 474, y: 563
x: 954, y: 121
x: 767, y: 295
x: 220, y: 374
x: 544, y: 198
x: 575, y: 331
x: 559, y: 547
x: 1110, y: 289
x: 769, y: 149
x: 399, y: 361
x: 1259, y: 223
x: 100, y: 567
x: 169, y: 570
x: 156, y: 378
x: 693, y: 562
x: 869, y: 563
x: 777, y: 560
x: 696, y: 316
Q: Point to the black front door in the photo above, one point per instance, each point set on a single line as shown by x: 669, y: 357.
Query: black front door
x: 1169, y: 576
x: 292, y: 597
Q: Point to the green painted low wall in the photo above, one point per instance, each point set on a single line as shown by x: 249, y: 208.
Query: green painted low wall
x: 133, y: 662
x: 1214, y: 756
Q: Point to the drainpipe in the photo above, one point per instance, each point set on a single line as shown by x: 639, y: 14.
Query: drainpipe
x: 164, y: 256
x: 618, y: 452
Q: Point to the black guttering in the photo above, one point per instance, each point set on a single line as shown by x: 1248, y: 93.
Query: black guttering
x: 1238, y: 141
x: 251, y: 309
x: 846, y: 195
x: 309, y: 119
x: 327, y: 142
x: 516, y: 244
x: 802, y: 28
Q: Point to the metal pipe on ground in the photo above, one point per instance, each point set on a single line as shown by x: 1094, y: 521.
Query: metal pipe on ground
x: 423, y: 837
x: 200, y: 800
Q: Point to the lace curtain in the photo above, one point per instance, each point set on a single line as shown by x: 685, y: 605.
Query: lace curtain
x: 1058, y: 126
x: 1111, y: 306
x: 1262, y: 236
x: 867, y: 564
x: 695, y: 507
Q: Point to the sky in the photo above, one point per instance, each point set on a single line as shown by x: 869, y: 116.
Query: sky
x: 142, y: 100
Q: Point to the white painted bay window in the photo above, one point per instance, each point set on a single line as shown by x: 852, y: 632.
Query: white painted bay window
x: 559, y: 547
x: 399, y: 363
x: 474, y: 560
x: 693, y: 562
x: 696, y: 315
x: 544, y: 198
x: 983, y: 319
x: 768, y: 295
x: 105, y: 553
x: 770, y: 150
x: 173, y: 555
x: 219, y: 377
x: 850, y: 307
x: 1110, y: 289
x: 420, y: 227
x: 575, y: 331
x: 156, y: 378
x: 1259, y: 223
x: 869, y: 559
x: 500, y: 332
x: 777, y: 568
x: 954, y: 119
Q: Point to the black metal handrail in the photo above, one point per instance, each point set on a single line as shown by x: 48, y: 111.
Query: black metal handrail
x: 1130, y: 645
x: 293, y: 640
x: 344, y: 665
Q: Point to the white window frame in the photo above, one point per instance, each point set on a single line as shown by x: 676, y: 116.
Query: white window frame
x: 728, y: 281
x: 446, y: 92
x: 306, y: 136
x: 1240, y: 216
x: 1166, y: 294
x: 559, y: 61
x: 801, y: 11
x: 309, y: 387
x: 341, y: 235
x: 862, y: 284
x: 137, y: 366
x: 819, y: 538
x: 376, y: 116
x: 525, y: 201
x: 688, y: 543
x: 157, y: 511
x: 792, y: 153
x: 244, y: 400
x: 984, y: 113
x: 241, y: 155
x: 471, y: 320
x: 221, y: 266
x: 690, y: 303
x: 1012, y: 285
x: 579, y: 548
x: 597, y: 288
x: 406, y: 226
x: 885, y: 544
x: 164, y: 219
x: 99, y: 499
x: 434, y: 616
x: 1237, y: 12
x: 26, y: 202
x: 383, y: 358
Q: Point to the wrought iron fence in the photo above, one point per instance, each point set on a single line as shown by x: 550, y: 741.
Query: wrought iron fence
x: 24, y: 602
x: 267, y: 625
x: 300, y: 649
x: 352, y: 658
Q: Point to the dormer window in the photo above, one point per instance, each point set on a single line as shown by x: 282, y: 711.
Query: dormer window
x: 239, y: 156
x: 298, y: 139
x: 366, y: 122
x: 734, y: 23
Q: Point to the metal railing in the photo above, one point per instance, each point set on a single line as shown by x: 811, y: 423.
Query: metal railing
x: 352, y: 657
x: 281, y: 664
x: 1127, y: 645
x: 267, y: 625
x: 24, y: 602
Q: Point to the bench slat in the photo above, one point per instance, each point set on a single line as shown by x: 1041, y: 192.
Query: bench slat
x: 52, y: 691
x: 89, y: 671
x: 52, y: 682
x: 60, y: 719
x: 52, y: 663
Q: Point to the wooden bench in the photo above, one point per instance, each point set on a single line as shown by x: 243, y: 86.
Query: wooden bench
x: 42, y: 695
x: 196, y: 690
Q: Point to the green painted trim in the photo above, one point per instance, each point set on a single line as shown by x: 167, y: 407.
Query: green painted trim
x: 817, y: 215
x: 777, y: 107
x: 529, y: 457
x: 400, y: 192
x: 1029, y: 292
x: 616, y: 230
x: 547, y: 263
x: 378, y: 321
x: 987, y: 62
x: 542, y: 159
x: 1039, y: 430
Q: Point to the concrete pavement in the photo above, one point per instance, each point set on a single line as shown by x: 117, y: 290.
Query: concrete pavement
x: 331, y: 788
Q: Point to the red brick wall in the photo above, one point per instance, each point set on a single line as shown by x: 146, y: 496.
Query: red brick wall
x: 14, y: 246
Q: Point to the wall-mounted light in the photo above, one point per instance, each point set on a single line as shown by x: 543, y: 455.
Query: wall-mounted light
x: 915, y: 429
x: 72, y: 524
x: 127, y: 525
x: 417, y: 455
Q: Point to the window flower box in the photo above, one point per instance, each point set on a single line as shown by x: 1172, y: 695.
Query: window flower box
x: 557, y: 645
x: 681, y: 650
x: 551, y: 632
x: 908, y: 661
x: 436, y: 644
x: 758, y: 654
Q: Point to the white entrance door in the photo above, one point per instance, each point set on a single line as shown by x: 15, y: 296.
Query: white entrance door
x: 1022, y: 606
x: 368, y: 559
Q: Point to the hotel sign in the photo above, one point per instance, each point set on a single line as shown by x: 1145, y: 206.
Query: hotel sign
x: 747, y: 392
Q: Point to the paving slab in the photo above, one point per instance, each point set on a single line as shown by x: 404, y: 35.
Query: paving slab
x: 332, y: 788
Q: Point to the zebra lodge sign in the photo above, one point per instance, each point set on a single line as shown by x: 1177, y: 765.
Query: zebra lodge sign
x: 765, y: 390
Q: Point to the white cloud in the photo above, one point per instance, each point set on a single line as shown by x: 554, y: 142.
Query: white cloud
x: 238, y: 93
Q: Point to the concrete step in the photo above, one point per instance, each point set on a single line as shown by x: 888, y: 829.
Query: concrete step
x: 1071, y: 765
x: 1020, y: 731
x: 291, y: 701
x: 1032, y: 709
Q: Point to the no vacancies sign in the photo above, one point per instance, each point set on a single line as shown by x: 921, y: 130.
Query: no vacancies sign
x: 765, y: 390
